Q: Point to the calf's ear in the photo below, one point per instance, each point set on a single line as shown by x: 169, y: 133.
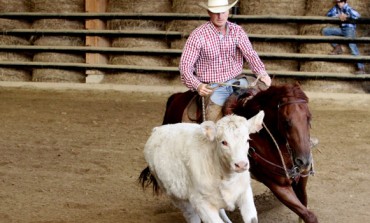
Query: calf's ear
x: 255, y: 123
x: 209, y: 130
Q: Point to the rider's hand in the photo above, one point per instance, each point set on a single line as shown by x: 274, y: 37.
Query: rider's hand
x: 266, y: 79
x: 203, y: 90
x: 343, y: 17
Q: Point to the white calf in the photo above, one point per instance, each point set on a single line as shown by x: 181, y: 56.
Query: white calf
x: 205, y: 168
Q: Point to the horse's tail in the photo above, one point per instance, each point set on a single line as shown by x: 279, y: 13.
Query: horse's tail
x: 166, y: 117
x: 146, y: 178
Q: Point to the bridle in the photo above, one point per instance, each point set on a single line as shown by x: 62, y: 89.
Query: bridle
x: 292, y: 173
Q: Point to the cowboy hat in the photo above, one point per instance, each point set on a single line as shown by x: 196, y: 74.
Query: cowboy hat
x: 217, y: 6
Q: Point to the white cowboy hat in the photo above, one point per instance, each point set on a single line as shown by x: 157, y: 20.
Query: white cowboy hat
x: 217, y: 6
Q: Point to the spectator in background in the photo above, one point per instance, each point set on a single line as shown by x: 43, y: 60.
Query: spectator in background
x: 347, y: 28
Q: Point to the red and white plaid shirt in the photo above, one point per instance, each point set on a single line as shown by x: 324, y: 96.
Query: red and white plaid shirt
x: 210, y: 57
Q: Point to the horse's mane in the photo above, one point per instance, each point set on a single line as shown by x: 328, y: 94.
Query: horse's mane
x: 248, y: 102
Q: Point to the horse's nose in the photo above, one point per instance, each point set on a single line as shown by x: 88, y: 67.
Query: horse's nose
x: 303, y: 162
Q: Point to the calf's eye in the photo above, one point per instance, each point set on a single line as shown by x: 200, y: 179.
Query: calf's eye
x: 224, y: 143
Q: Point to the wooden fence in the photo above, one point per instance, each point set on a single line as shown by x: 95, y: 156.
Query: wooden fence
x: 175, y: 35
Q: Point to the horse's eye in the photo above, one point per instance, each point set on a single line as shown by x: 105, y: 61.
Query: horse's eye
x: 224, y: 143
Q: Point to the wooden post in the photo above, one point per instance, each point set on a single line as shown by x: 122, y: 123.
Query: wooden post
x: 96, y: 76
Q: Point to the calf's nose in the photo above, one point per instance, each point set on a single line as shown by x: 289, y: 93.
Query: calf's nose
x: 241, y: 166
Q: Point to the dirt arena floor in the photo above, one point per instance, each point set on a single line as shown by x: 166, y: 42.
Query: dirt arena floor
x: 70, y: 155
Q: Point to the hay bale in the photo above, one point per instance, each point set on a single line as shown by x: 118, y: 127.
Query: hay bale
x: 138, y: 6
x: 184, y: 26
x: 156, y: 78
x: 58, y: 75
x: 131, y: 24
x: 14, y: 6
x: 9, y: 24
x: 263, y: 7
x: 333, y: 86
x: 57, y: 24
x: 187, y: 6
x: 320, y: 8
x: 62, y: 6
x: 273, y: 7
x: 330, y: 67
x: 277, y: 47
x: 12, y: 74
x: 140, y: 42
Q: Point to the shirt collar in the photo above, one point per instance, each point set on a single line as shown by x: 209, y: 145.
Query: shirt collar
x: 215, y: 30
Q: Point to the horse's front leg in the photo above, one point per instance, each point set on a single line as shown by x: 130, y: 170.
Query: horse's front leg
x: 288, y: 197
x: 300, y: 190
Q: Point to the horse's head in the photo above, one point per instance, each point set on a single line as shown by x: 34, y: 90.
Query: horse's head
x: 294, y: 120
x: 287, y: 121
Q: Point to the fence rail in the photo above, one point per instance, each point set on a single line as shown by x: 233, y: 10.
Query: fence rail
x: 174, y: 70
x: 174, y: 34
x: 177, y: 16
x: 177, y: 52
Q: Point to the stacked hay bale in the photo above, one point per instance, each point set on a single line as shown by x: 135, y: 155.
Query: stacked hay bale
x: 12, y: 74
x: 363, y: 30
x: 184, y: 26
x: 58, y: 6
x: 320, y: 8
x: 138, y: 6
x: 275, y: 8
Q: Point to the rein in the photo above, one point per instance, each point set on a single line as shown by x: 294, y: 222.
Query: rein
x: 293, y: 173
x: 253, y: 84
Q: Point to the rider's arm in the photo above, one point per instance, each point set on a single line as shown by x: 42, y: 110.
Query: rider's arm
x: 251, y: 56
x: 188, y: 60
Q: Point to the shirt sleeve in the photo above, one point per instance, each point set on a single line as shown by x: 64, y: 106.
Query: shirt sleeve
x: 189, y: 57
x: 250, y: 55
x: 352, y: 14
x: 333, y: 12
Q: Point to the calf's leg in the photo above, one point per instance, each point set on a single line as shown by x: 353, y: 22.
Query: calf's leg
x: 207, y: 212
x: 188, y: 211
x: 224, y: 216
x: 247, y: 207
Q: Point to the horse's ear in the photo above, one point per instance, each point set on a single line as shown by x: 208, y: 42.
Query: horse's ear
x: 209, y: 130
x: 297, y: 83
x: 255, y: 123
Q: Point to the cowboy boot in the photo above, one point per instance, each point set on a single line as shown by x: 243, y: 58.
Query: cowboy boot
x: 337, y: 50
x: 360, y: 71
x: 213, y: 112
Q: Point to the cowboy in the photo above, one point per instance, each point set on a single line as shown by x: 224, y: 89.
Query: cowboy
x: 214, y: 54
x: 347, y: 29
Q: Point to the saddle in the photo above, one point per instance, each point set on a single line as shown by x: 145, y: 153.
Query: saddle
x: 193, y: 112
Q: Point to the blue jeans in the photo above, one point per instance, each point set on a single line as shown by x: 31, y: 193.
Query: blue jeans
x: 221, y: 93
x: 348, y: 32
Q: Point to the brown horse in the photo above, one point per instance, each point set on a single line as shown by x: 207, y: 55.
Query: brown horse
x: 280, y: 154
